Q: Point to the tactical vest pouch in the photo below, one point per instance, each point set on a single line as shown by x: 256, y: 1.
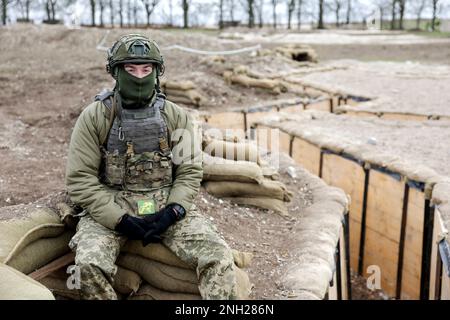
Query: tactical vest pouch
x: 148, y: 170
x: 145, y: 203
x: 114, y: 168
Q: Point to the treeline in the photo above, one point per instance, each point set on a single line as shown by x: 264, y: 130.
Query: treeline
x: 390, y: 14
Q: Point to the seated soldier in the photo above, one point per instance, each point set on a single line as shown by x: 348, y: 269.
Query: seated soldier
x: 124, y: 169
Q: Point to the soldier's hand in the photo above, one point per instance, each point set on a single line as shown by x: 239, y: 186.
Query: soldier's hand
x: 131, y: 227
x: 162, y: 221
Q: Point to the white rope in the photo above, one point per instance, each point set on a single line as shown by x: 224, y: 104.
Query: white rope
x: 101, y: 47
x: 102, y: 42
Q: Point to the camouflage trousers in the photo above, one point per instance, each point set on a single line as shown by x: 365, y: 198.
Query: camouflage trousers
x: 195, y: 240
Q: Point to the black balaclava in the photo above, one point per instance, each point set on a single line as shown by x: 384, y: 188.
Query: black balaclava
x: 135, y: 92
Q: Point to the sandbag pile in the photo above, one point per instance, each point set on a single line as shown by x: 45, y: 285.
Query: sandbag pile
x: 31, y: 236
x: 234, y: 171
x: 182, y: 92
x: 298, y: 52
x: 17, y: 286
x: 153, y: 273
x: 243, y: 76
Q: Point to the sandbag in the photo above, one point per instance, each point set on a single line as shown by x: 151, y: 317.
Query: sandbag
x: 148, y: 292
x: 276, y: 205
x: 23, y: 224
x: 58, y: 286
x: 219, y: 169
x: 17, y: 286
x: 266, y: 189
x: 243, y: 284
x: 181, y: 85
x: 233, y: 151
x: 154, y: 251
x: 161, y: 276
x: 126, y: 282
x: 242, y: 259
x: 41, y: 252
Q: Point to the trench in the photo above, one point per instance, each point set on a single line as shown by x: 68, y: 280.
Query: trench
x: 394, y: 227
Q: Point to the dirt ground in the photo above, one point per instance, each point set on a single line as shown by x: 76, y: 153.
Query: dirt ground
x: 48, y: 74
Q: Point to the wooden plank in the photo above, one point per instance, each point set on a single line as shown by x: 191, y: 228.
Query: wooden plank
x: 306, y: 154
x: 361, y: 114
x: 355, y: 234
x: 284, y: 142
x: 403, y: 116
x: 268, y: 138
x: 413, y: 245
x: 383, y: 224
x: 348, y: 176
x: 320, y: 105
x: 383, y: 253
x: 252, y: 117
x: 293, y: 109
x: 53, y: 266
x: 385, y: 204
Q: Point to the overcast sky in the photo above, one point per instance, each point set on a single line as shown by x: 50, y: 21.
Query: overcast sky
x: 205, y: 12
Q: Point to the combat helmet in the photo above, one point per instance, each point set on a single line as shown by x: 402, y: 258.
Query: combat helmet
x: 134, y: 48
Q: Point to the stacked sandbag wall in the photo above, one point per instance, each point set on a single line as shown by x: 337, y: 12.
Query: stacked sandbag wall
x: 391, y: 212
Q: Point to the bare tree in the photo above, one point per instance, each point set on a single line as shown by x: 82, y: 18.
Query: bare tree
x: 417, y: 8
x: 93, y: 10
x: 259, y: 6
x: 111, y: 12
x: 249, y: 6
x: 170, y: 13
x: 402, y: 5
x: 299, y: 14
x: 50, y: 8
x: 434, y: 15
x: 320, y: 24
x: 220, y: 14
x: 149, y: 6
x: 5, y: 4
x: 185, y: 6
x: 349, y: 11
x: 274, y: 13
x: 393, y: 14
x: 231, y: 7
x: 337, y: 11
x: 102, y: 6
x: 24, y: 6
x: 291, y: 8
x: 382, y: 6
x: 129, y: 9
x: 121, y: 13
x: 135, y: 11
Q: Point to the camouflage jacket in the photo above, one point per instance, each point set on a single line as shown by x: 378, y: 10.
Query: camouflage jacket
x: 85, y: 157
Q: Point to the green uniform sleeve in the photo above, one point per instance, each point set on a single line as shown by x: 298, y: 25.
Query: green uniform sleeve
x: 187, y: 156
x: 82, y: 171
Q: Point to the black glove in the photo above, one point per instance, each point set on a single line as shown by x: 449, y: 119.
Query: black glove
x: 132, y: 227
x: 161, y: 221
